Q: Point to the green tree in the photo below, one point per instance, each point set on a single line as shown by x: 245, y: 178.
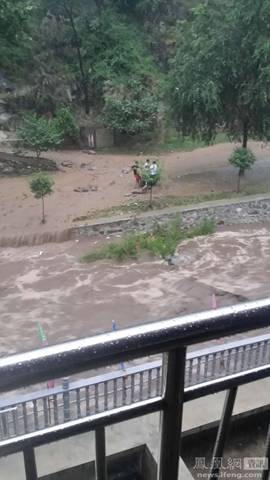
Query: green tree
x: 39, y: 134
x: 65, y: 123
x: 243, y: 159
x: 220, y: 75
x: 130, y: 109
x: 41, y: 185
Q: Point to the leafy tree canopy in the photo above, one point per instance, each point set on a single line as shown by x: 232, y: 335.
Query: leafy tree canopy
x: 220, y: 73
x: 39, y: 134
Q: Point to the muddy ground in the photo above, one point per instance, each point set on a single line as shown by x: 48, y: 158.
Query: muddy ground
x: 105, y: 177
x: 72, y: 300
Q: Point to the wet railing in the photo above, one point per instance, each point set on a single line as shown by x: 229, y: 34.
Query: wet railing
x: 137, y: 391
x: 73, y: 400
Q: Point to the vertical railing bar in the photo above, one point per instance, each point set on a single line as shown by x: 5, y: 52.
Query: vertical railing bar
x: 45, y: 410
x: 257, y: 354
x: 266, y: 470
x: 15, y: 421
x: 66, y: 399
x: 25, y: 422
x: 101, y: 465
x: 267, y: 351
x: 243, y: 353
x: 87, y: 401
x: 158, y: 380
x: 106, y: 395
x: 221, y: 362
x: 55, y: 410
x: 132, y: 386
x: 141, y: 385
x: 250, y: 355
x: 228, y: 362
x: 115, y: 392
x: 223, y: 431
x: 206, y: 365
x: 198, y: 373
x: 96, y: 398
x: 214, y: 365
x: 236, y: 359
x: 30, y: 463
x: 149, y: 383
x: 36, y: 422
x: 78, y: 403
x: 190, y: 371
x: 124, y: 390
x: 172, y: 414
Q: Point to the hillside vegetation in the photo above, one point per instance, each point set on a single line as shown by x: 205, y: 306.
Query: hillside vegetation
x: 109, y: 58
x: 136, y: 66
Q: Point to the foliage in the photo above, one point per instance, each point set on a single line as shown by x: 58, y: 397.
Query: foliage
x: 39, y: 134
x: 41, y: 185
x: 161, y: 242
x: 130, y: 109
x: 14, y: 32
x: 220, y: 72
x: 65, y: 123
x: 243, y: 159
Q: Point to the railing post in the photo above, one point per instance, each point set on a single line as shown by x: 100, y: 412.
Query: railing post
x: 66, y: 399
x: 265, y: 473
x: 172, y: 415
x: 30, y: 463
x: 222, y: 432
x: 101, y: 465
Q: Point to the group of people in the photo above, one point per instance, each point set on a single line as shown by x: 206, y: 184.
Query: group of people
x: 147, y: 175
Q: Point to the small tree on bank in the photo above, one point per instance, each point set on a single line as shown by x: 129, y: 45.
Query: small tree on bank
x: 41, y: 185
x: 243, y: 159
x: 39, y: 134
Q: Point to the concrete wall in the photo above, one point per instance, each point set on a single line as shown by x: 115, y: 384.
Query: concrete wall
x: 226, y: 212
x: 104, y: 138
x: 138, y: 460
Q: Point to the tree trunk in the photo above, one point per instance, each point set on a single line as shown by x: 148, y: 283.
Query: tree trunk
x: 245, y: 135
x: 151, y: 196
x: 43, y: 211
x: 84, y: 77
x: 240, y: 174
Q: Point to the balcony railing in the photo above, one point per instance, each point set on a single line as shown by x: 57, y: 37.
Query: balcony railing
x: 73, y: 400
x: 184, y: 378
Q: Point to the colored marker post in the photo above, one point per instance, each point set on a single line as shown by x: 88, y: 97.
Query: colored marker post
x: 114, y: 328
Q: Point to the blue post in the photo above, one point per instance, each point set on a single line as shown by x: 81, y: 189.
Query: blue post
x: 114, y: 328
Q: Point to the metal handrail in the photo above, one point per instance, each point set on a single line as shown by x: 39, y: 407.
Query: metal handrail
x: 170, y: 337
x: 43, y: 408
x: 80, y: 355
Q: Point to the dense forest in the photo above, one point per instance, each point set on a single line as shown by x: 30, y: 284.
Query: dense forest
x: 135, y: 65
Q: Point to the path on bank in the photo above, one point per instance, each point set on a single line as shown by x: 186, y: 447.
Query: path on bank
x: 202, y: 171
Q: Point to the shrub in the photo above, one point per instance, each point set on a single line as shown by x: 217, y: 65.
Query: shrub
x: 65, y: 123
x: 243, y: 159
x: 41, y: 186
x: 39, y: 134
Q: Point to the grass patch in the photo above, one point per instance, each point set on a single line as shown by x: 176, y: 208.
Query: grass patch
x: 161, y: 242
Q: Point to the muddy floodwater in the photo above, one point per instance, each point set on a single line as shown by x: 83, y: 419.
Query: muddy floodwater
x: 48, y: 284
